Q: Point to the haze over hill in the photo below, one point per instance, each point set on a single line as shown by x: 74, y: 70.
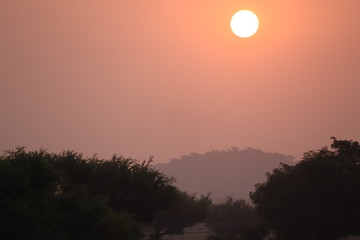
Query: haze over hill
x: 223, y: 173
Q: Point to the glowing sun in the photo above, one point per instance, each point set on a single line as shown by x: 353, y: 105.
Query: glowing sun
x: 244, y: 23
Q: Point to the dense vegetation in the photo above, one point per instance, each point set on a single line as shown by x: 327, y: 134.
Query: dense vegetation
x: 67, y: 196
x: 318, y: 198
x: 235, y: 219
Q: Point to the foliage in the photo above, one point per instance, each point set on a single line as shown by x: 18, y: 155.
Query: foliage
x: 220, y: 237
x: 67, y: 196
x: 127, y: 184
x: 234, y: 219
x: 186, y: 211
x: 27, y: 202
x: 316, y: 199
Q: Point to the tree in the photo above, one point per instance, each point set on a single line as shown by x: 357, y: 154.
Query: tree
x: 235, y: 219
x: 27, y: 202
x: 66, y: 196
x: 318, y: 198
x: 127, y: 184
x: 186, y: 211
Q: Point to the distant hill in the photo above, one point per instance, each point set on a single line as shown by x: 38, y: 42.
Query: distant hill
x: 223, y: 173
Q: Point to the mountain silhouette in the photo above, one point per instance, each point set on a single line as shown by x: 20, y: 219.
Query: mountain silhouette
x: 223, y: 173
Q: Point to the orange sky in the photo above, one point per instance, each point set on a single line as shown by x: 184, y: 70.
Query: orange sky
x: 167, y: 78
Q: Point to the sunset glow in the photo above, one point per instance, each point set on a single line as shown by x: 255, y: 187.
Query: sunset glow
x: 168, y: 78
x: 237, y: 119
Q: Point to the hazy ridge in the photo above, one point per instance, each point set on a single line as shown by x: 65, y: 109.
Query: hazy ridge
x: 223, y: 173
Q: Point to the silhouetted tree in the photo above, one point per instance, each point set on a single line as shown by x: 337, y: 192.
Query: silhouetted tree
x: 234, y: 220
x: 316, y: 199
x: 127, y: 184
x: 186, y: 211
x: 67, y: 196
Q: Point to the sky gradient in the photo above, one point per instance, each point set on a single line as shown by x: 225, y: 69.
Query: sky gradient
x: 167, y: 78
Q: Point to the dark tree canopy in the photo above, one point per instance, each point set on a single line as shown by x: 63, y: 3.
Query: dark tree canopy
x: 234, y: 220
x: 66, y: 196
x: 127, y: 184
x: 186, y: 211
x: 318, y: 198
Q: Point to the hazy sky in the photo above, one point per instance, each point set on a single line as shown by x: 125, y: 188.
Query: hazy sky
x: 166, y: 78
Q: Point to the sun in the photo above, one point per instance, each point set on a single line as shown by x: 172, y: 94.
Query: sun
x: 244, y: 23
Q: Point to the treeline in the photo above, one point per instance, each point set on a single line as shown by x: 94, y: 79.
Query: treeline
x: 316, y: 199
x: 67, y: 196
